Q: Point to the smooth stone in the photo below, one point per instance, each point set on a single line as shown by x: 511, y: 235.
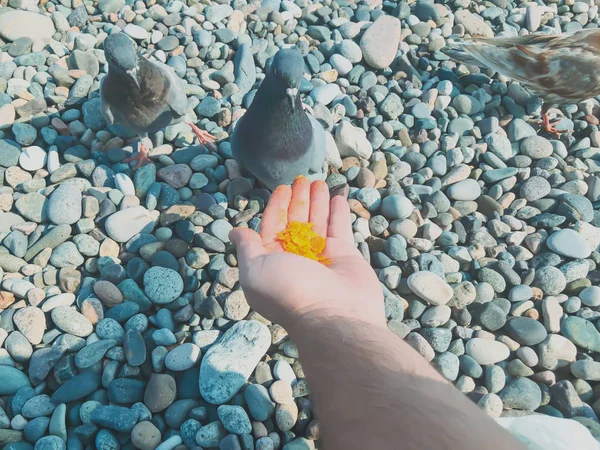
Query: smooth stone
x: 581, y: 332
x: 115, y: 418
x: 72, y: 322
x: 521, y: 393
x: 486, y: 351
x: 590, y: 296
x: 183, y: 357
x: 18, y: 24
x: 125, y: 224
x: 526, y: 331
x: 465, y: 190
x: 32, y: 158
x: 76, y: 388
x: 160, y: 392
x: 396, y: 207
x: 12, y: 380
x: 586, y: 370
x: 227, y: 364
x: 569, y: 243
x: 380, y: 41
x: 259, y: 402
x: 556, y: 351
x: 31, y: 321
x: 162, y: 285
x: 235, y: 419
x: 430, y: 288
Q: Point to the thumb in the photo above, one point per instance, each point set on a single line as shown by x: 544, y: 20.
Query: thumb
x: 249, y: 245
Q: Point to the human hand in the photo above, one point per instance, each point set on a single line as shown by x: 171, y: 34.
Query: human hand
x: 288, y: 288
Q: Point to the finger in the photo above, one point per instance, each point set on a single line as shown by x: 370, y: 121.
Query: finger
x: 340, y: 226
x: 275, y: 217
x: 319, y: 207
x: 300, y: 204
x: 248, y: 244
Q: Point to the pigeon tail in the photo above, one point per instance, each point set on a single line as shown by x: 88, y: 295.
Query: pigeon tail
x: 459, y: 52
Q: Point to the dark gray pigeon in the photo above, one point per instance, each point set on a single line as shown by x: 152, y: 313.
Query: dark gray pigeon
x: 142, y: 95
x: 276, y: 140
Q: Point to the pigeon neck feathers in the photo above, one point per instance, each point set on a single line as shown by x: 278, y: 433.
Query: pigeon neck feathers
x: 272, y: 126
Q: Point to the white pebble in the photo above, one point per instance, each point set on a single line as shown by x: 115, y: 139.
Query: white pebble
x: 124, y: 184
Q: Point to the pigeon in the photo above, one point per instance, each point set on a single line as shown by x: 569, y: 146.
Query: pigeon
x: 560, y: 69
x: 142, y: 95
x: 276, y: 140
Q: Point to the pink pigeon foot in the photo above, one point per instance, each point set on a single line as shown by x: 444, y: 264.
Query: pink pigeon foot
x: 204, y: 137
x: 141, y: 156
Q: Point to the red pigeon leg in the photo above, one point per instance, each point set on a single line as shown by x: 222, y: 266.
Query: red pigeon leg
x: 204, y: 137
x: 549, y: 126
x: 141, y: 156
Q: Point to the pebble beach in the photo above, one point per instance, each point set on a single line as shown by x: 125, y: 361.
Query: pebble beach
x: 122, y: 323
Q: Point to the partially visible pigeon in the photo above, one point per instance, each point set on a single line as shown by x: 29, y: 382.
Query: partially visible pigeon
x: 561, y: 69
x: 276, y: 140
x: 142, y: 95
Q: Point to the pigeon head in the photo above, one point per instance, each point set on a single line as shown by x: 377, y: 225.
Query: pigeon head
x: 121, y: 54
x: 288, y: 68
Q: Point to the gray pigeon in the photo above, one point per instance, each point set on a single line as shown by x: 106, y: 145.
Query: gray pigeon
x: 276, y: 140
x: 142, y: 95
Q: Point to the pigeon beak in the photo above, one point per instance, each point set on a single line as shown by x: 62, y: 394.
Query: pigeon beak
x: 133, y: 74
x: 292, y: 93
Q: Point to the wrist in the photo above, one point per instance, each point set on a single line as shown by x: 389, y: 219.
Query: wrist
x: 321, y: 324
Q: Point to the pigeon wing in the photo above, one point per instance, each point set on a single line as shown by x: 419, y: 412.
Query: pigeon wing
x: 546, y: 64
x: 317, y: 147
x: 106, y: 111
x: 175, y: 97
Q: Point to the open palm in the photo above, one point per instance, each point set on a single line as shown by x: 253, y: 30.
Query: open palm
x: 285, y: 287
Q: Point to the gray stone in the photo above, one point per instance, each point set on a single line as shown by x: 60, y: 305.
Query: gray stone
x: 227, y: 364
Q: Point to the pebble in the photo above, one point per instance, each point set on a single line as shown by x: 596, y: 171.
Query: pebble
x: 569, y: 243
x: 125, y: 224
x: 183, y: 357
x: 521, y: 393
x: 486, y: 352
x: 430, y: 288
x: 227, y: 365
x: 590, y: 296
x: 162, y: 285
x: 379, y: 42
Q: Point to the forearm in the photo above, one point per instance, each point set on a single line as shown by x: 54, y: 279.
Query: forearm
x: 372, y: 390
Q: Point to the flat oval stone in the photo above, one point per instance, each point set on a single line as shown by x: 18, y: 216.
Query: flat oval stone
x: 590, y: 296
x: 379, y: 42
x: 430, y: 288
x: 126, y: 223
x: 581, y: 332
x: 521, y: 393
x: 569, y: 243
x: 115, y: 418
x: 183, y: 357
x: 486, y: 351
x: 586, y: 370
x: 31, y: 321
x: 40, y: 405
x: 72, y: 322
x: 64, y: 205
x: 76, y: 388
x: 93, y: 353
x: 468, y: 189
x: 160, y: 392
x: 526, y: 331
x: 12, y: 380
x: 227, y: 364
x: 135, y: 348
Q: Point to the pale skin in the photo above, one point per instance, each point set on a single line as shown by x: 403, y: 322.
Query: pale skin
x: 370, y: 389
